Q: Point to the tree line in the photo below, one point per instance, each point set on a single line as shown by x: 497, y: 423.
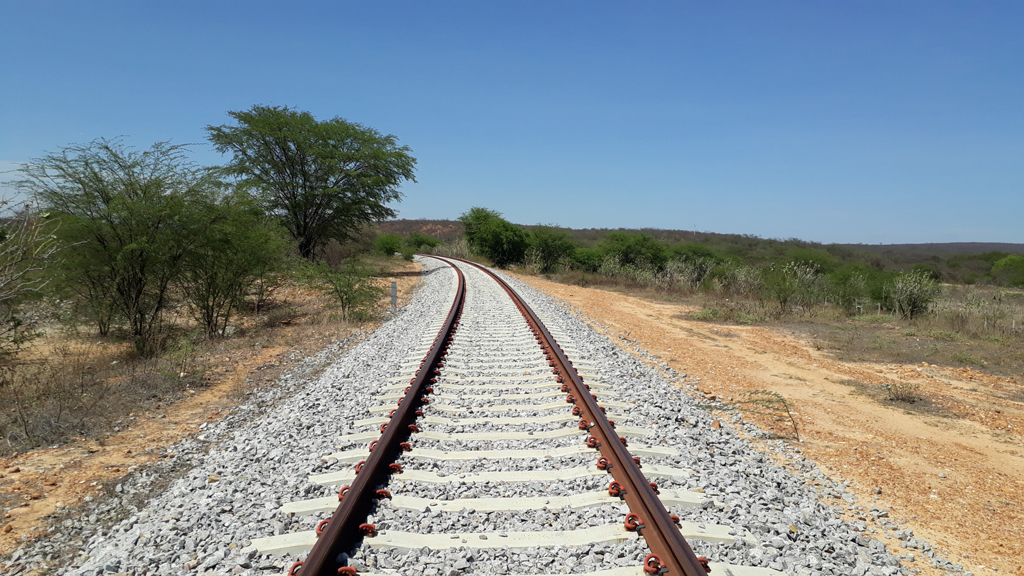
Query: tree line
x: 799, y: 276
x: 129, y: 234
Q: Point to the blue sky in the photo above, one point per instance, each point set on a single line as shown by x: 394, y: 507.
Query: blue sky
x: 834, y: 122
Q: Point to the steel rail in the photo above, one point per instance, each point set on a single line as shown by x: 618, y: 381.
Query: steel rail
x: 656, y: 525
x: 343, y: 531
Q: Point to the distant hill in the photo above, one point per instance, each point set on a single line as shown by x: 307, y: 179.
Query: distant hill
x: 939, y: 248
x: 450, y: 229
x: 443, y: 229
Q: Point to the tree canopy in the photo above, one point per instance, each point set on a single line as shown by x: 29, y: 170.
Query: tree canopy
x: 493, y: 236
x: 323, y: 179
x: 235, y: 252
x: 141, y: 228
x: 127, y: 220
x: 1010, y: 270
x: 549, y: 247
x: 634, y: 249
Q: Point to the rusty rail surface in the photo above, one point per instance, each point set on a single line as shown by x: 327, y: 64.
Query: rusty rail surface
x: 346, y: 526
x: 671, y: 553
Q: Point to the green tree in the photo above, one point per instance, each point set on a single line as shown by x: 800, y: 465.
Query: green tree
x: 930, y: 269
x: 127, y: 220
x: 970, y: 268
x: 475, y: 221
x: 819, y: 259
x: 549, y: 247
x: 506, y: 243
x: 1010, y: 270
x: 418, y: 240
x: 789, y: 283
x: 635, y: 250
x: 693, y: 252
x: 237, y: 250
x: 324, y: 179
x: 587, y: 259
x: 494, y: 237
x: 848, y: 285
x: 388, y: 244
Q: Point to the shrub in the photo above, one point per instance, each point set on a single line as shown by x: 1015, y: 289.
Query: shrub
x: 494, y: 237
x: 458, y: 248
x: 577, y: 278
x: 420, y: 241
x: 739, y: 280
x: 710, y: 313
x: 848, y: 287
x: 636, y: 250
x: 387, y: 244
x: 785, y: 284
x: 770, y: 405
x: 548, y: 248
x: 965, y: 358
x: 928, y: 269
x: 77, y: 391
x: 899, y: 392
x: 643, y: 273
x: 690, y: 272
x: 26, y: 245
x: 351, y: 286
x: 239, y: 253
x: 586, y: 259
x: 267, y: 282
x: 876, y: 282
x: 1010, y: 270
x: 127, y: 220
x: 948, y: 336
x: 911, y: 293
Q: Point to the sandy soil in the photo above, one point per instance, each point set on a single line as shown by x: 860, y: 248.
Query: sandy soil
x: 954, y: 472
x: 35, y: 484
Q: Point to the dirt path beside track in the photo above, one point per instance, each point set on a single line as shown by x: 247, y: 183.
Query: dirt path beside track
x: 950, y: 466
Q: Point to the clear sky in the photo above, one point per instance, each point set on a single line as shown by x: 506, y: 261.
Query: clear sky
x: 829, y: 121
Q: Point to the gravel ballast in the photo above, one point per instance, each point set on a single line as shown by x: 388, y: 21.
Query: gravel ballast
x: 228, y: 485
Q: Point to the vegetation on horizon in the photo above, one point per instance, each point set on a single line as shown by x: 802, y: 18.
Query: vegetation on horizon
x: 780, y: 276
x: 964, y: 309
x: 862, y: 304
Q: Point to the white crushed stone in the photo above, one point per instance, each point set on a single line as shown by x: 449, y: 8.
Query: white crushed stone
x: 263, y: 454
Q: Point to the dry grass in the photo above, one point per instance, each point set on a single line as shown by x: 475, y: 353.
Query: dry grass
x: 617, y: 284
x: 74, y: 385
x: 888, y: 340
x: 70, y: 383
x: 977, y: 326
x: 906, y: 397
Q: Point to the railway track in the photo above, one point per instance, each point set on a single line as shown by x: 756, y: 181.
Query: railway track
x: 494, y: 424
x: 497, y: 479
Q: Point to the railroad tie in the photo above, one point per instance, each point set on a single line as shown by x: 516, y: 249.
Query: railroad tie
x: 491, y: 371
